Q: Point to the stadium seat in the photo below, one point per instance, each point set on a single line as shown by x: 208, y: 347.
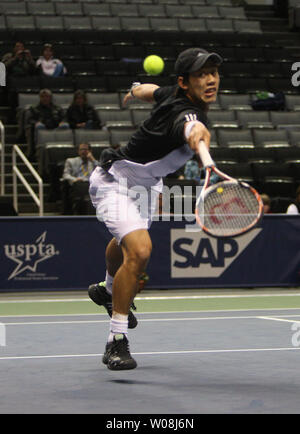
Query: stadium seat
x: 59, y: 136
x: 164, y: 24
x: 43, y: 8
x: 106, y: 23
x: 58, y: 84
x: 203, y: 11
x: 25, y: 84
x: 177, y: 11
x: 97, y: 10
x: 292, y: 102
x: 151, y: 10
x: 246, y: 26
x: 126, y: 10
x: 77, y: 23
x: 253, y: 119
x: 294, y: 138
x: 232, y: 12
x: 49, y: 22
x: 114, y: 118
x: 111, y: 67
x: 94, y: 137
x: 285, y: 119
x: 66, y: 9
x: 63, y: 99
x: 54, y: 162
x: 225, y: 154
x: 135, y: 24
x: 220, y: 25
x: 138, y: 116
x: 270, y: 138
x: 222, y: 118
x: 13, y: 8
x: 25, y: 100
x: 192, y: 25
x: 91, y: 83
x: 120, y: 137
x: 104, y: 100
x: 15, y: 22
x: 235, y: 138
x: 80, y: 67
x: 235, y: 102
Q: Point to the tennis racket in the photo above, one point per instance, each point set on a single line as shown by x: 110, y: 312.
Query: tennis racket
x: 228, y: 208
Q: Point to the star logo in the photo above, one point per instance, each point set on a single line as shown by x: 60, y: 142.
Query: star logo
x: 28, y: 256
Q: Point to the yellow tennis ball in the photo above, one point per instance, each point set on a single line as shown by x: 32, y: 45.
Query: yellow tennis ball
x: 153, y: 64
x: 220, y: 190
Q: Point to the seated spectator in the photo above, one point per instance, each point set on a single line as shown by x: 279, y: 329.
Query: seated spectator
x: 294, y: 208
x: 44, y: 115
x: 48, y: 65
x: 193, y: 171
x: 77, y: 172
x: 18, y: 63
x: 80, y: 114
x: 267, y: 203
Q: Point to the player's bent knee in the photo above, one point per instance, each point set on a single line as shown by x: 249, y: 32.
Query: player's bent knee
x: 140, y: 254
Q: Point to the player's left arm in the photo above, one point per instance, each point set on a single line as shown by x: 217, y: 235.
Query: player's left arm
x: 144, y: 92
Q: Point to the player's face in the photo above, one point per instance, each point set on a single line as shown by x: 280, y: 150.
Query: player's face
x: 203, y: 84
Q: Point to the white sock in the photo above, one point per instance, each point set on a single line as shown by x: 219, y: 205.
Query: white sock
x: 108, y: 283
x: 118, y: 325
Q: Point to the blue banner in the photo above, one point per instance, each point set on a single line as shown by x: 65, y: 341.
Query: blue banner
x: 67, y: 253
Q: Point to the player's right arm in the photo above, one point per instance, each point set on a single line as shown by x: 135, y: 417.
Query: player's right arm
x: 195, y: 131
x: 143, y: 92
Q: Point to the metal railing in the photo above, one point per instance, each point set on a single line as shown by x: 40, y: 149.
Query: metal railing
x: 39, y: 200
x: 2, y: 163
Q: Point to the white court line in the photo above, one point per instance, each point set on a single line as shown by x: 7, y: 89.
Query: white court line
x: 154, y: 298
x: 279, y: 319
x: 140, y: 320
x: 54, y: 315
x: 153, y: 353
x: 152, y: 320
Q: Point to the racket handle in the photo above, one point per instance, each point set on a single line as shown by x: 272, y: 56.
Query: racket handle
x: 204, y: 154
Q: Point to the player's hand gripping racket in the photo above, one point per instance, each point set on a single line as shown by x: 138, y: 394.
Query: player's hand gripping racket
x: 229, y: 207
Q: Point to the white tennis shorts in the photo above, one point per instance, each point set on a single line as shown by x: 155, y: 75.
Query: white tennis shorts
x: 122, y: 206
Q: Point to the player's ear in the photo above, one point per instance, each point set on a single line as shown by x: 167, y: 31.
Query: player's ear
x: 181, y: 81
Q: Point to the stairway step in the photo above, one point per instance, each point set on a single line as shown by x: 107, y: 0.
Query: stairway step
x: 27, y: 175
x: 22, y: 191
x: 32, y: 209
x: 22, y: 166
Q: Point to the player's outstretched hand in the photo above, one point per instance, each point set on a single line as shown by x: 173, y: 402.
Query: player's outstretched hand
x: 127, y: 98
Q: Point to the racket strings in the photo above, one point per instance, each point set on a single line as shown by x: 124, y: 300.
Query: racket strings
x: 229, y: 207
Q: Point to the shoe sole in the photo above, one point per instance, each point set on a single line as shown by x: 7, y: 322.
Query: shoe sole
x: 121, y: 367
x: 94, y: 296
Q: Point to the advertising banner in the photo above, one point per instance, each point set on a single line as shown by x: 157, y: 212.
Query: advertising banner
x: 68, y: 253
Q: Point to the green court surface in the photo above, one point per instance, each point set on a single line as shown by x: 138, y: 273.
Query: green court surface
x: 164, y: 301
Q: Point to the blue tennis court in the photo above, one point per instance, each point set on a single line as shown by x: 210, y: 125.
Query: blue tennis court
x: 193, y: 362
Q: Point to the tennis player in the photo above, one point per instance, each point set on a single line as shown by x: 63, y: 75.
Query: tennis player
x: 163, y: 144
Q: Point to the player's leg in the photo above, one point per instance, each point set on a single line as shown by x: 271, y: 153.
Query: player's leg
x: 136, y: 248
x: 101, y: 293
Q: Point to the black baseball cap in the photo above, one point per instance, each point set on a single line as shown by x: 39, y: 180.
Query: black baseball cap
x: 193, y: 59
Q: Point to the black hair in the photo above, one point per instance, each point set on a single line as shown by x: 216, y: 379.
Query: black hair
x: 83, y: 143
x: 78, y: 93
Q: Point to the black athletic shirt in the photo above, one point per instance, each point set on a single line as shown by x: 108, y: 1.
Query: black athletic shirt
x: 161, y: 133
